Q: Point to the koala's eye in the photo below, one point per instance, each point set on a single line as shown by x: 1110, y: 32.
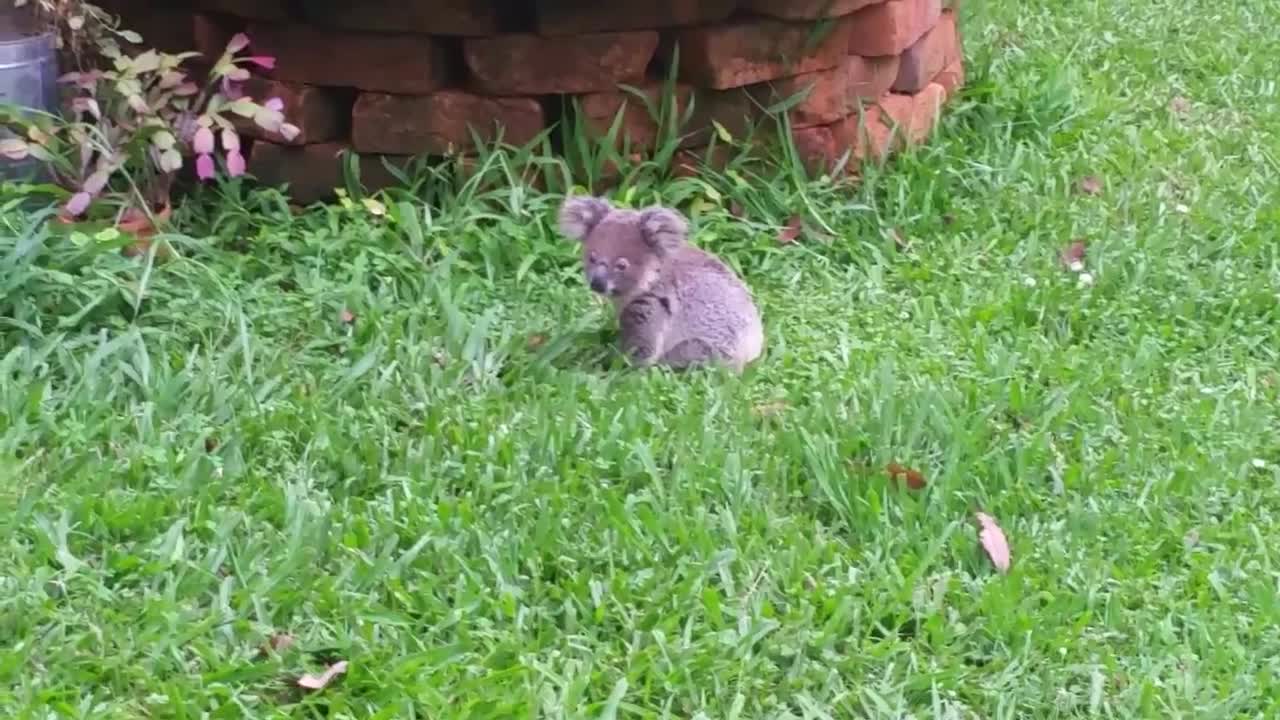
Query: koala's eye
x: 622, y: 264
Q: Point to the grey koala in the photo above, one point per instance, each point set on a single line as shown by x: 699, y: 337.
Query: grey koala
x: 677, y: 305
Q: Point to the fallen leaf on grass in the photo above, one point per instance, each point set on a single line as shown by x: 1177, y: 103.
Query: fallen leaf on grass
x: 993, y: 541
x: 903, y: 244
x: 1090, y: 185
x: 346, y: 316
x: 791, y: 231
x: 319, y: 682
x: 276, y: 644
x: 913, y: 479
x: 1179, y: 105
x: 1073, y: 257
x: 536, y: 341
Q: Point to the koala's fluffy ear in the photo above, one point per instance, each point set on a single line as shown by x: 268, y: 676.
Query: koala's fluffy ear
x: 663, y: 229
x: 580, y: 214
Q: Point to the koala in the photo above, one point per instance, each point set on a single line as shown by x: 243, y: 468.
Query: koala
x: 678, y: 306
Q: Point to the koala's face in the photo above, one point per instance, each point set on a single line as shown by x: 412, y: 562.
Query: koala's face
x: 616, y: 259
x: 622, y: 250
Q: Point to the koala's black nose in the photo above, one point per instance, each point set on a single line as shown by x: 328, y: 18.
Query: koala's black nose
x: 598, y: 284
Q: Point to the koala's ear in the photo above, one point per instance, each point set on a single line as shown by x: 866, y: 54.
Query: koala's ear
x: 578, y: 215
x: 663, y: 229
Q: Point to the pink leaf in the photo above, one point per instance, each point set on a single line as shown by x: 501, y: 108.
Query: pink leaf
x: 235, y: 163
x: 172, y: 79
x: 238, y: 74
x: 87, y: 105
x: 319, y: 682
x: 238, y: 42
x: 138, y: 104
x: 79, y: 203
x: 275, y: 104
x: 265, y: 62
x: 204, y: 166
x: 203, y: 143
x: 230, y: 140
x: 268, y: 119
x: 993, y: 541
x: 95, y: 182
x: 289, y: 132
x: 186, y: 89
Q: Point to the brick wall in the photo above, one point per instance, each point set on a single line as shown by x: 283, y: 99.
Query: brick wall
x: 410, y: 77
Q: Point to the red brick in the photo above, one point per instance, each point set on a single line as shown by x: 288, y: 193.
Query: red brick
x: 524, y: 64
x: 441, y: 122
x: 427, y: 17
x: 806, y: 9
x: 313, y: 172
x: 821, y: 148
x: 165, y: 27
x: 928, y: 56
x: 575, y: 17
x: 832, y: 94
x: 755, y: 50
x: 733, y: 110
x: 952, y: 78
x: 268, y: 10
x: 212, y: 33
x: 913, y: 117
x: 870, y: 77
x: 322, y: 114
x: 411, y: 64
x: 599, y: 110
x: 892, y: 26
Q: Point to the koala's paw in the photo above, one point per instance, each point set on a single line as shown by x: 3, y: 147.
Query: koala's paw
x: 644, y: 324
x: 580, y: 214
x: 663, y: 229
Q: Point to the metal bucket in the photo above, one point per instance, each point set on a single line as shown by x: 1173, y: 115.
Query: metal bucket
x: 28, y: 79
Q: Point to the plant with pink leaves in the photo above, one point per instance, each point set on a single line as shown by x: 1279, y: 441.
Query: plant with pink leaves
x: 131, y: 127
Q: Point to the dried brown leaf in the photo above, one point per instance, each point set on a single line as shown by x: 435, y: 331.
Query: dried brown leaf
x: 319, y: 682
x: 993, y: 541
x: 902, y: 243
x: 791, y: 231
x: 278, y: 643
x: 1073, y: 256
x: 1090, y: 185
x: 912, y: 478
x: 536, y: 341
x: 1179, y: 105
x: 735, y: 209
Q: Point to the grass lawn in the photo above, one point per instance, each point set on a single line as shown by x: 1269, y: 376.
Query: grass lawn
x: 404, y: 441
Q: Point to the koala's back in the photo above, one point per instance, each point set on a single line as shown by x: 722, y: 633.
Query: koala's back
x: 710, y: 303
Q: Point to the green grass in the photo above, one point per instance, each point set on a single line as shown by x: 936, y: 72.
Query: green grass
x: 200, y: 454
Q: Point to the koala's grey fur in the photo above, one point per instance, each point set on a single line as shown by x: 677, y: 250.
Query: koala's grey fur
x: 677, y: 305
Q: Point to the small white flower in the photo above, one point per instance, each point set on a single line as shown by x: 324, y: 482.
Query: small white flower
x: 1076, y: 266
x: 1086, y: 279
x: 1029, y: 281
x: 1260, y: 463
x: 1182, y: 208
